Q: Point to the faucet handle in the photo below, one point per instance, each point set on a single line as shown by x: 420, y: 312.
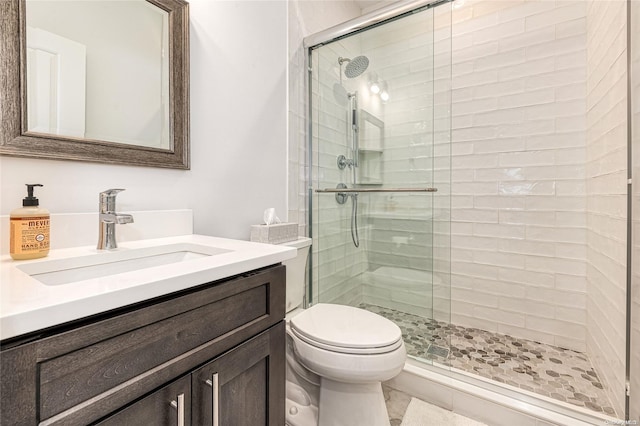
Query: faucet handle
x: 108, y: 200
x: 111, y: 192
x: 124, y: 218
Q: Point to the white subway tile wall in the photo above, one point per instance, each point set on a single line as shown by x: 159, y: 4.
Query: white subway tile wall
x: 305, y: 18
x: 399, y: 226
x: 535, y: 169
x: 518, y: 145
x: 338, y: 266
x: 606, y: 172
x: 344, y: 273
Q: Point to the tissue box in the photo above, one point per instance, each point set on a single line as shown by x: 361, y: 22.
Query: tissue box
x: 274, y: 234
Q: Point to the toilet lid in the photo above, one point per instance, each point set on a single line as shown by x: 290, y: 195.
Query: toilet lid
x: 346, y: 329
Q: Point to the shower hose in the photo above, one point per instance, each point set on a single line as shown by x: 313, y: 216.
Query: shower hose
x: 354, y: 220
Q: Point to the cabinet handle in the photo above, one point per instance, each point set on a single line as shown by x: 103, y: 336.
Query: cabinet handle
x: 180, y: 406
x: 215, y: 396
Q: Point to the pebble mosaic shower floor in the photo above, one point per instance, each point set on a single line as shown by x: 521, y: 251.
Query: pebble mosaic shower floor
x: 547, y: 370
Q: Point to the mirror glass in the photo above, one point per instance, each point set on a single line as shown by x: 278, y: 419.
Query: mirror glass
x: 98, y: 70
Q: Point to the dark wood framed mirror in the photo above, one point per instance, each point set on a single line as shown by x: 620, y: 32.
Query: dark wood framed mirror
x: 21, y: 132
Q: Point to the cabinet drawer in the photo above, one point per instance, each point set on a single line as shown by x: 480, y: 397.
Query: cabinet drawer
x: 168, y: 406
x: 203, y: 324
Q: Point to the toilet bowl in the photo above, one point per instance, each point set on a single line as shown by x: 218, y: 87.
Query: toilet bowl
x: 337, y: 357
x: 352, y: 351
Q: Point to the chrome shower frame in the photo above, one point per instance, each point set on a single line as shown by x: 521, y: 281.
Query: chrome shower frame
x: 368, y: 20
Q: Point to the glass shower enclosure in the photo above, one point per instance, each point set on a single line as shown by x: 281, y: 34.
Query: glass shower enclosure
x: 379, y: 115
x: 380, y: 174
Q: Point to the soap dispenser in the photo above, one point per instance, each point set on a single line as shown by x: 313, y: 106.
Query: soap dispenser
x: 29, y: 236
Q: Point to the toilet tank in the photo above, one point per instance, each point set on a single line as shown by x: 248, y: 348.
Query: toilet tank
x: 296, y: 272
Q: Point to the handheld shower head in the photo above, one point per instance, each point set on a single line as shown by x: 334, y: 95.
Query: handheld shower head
x: 355, y: 66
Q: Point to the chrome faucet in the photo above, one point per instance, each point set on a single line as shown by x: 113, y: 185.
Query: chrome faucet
x: 108, y: 219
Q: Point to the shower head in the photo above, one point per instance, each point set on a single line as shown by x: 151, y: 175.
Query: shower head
x: 355, y: 66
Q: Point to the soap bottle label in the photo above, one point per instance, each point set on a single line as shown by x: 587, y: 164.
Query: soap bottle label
x: 29, y: 234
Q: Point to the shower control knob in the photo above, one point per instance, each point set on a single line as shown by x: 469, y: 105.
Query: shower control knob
x: 342, y: 162
x: 341, y: 197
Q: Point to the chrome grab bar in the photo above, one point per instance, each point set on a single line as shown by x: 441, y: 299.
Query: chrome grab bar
x: 359, y: 190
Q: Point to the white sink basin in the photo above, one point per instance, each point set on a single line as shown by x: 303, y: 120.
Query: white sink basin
x: 104, y: 264
x: 78, y: 282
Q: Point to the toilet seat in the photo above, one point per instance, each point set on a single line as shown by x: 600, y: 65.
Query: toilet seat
x: 347, y: 330
x: 349, y: 367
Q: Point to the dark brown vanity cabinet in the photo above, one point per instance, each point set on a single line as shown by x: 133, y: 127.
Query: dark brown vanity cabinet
x: 237, y: 388
x: 215, y: 353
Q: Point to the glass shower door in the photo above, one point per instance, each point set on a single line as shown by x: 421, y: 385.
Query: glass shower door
x: 380, y: 140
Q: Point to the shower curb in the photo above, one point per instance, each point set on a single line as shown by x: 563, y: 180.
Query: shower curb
x: 486, y: 402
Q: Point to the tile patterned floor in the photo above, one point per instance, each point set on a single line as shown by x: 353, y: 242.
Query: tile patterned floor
x: 547, y: 370
x: 397, y: 403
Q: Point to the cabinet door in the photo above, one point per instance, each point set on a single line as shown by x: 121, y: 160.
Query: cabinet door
x: 245, y: 386
x: 168, y: 406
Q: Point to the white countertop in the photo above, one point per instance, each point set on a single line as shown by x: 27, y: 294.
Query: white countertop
x: 27, y: 305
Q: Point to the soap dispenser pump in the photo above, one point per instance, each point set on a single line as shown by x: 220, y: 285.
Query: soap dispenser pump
x: 30, y: 228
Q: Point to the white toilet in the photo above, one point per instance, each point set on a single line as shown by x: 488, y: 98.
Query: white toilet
x: 337, y: 357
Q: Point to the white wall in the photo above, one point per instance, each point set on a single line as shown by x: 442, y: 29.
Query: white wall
x: 238, y: 113
x: 607, y: 191
x: 518, y: 146
x: 238, y: 133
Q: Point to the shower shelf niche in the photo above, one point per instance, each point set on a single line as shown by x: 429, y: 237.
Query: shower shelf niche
x: 371, y: 149
x: 370, y: 172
